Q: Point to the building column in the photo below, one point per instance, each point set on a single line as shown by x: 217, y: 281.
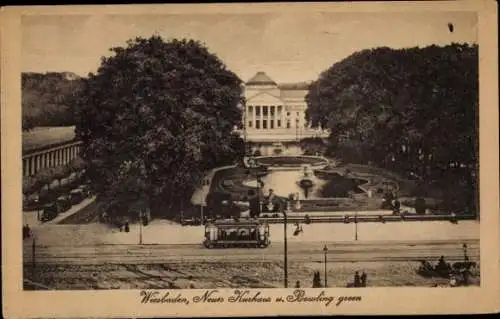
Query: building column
x: 31, y: 166
x: 283, y: 116
x: 253, y: 117
x: 269, y: 117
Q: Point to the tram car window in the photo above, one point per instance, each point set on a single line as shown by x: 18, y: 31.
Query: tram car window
x: 230, y: 233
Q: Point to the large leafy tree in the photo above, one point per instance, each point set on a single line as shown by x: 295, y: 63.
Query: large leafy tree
x: 412, y: 109
x: 155, y: 117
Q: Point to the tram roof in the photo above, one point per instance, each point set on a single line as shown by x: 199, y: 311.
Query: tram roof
x: 230, y: 222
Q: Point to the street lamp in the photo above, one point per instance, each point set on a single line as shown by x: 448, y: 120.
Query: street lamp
x: 33, y: 261
x: 356, y: 226
x: 37, y: 202
x: 140, y: 227
x: 464, y: 247
x: 285, y: 224
x: 325, y: 250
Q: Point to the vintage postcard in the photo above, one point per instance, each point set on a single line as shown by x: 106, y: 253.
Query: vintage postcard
x: 250, y: 159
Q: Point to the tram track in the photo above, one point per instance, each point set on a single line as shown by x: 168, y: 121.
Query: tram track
x: 297, y: 252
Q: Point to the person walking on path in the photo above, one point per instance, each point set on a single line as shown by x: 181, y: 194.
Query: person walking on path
x: 357, y: 280
x: 363, y: 279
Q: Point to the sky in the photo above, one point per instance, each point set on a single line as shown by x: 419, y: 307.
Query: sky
x: 289, y: 47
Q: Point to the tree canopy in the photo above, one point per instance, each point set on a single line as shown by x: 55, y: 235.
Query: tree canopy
x: 48, y: 99
x: 412, y: 109
x: 155, y: 117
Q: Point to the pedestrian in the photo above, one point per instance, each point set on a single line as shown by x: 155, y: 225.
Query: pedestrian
x: 316, y: 280
x: 127, y: 227
x: 453, y: 281
x: 363, y: 279
x: 297, y: 284
x: 396, y: 206
x: 191, y: 284
x: 357, y: 280
x: 25, y: 232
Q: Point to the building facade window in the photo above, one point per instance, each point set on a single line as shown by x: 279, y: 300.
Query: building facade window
x: 250, y: 109
x: 257, y: 124
x: 287, y: 113
x: 288, y: 124
x: 278, y: 123
x: 271, y: 124
x: 257, y: 110
x: 249, y: 123
x: 264, y: 110
x: 272, y: 110
x: 264, y: 124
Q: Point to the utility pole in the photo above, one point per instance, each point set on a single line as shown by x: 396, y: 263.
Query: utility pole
x: 325, y: 250
x: 33, y: 261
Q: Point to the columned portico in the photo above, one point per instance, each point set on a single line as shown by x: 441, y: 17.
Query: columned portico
x: 48, y: 157
x: 275, y: 113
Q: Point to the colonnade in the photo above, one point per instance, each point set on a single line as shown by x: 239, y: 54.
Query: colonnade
x: 51, y: 157
x: 266, y: 117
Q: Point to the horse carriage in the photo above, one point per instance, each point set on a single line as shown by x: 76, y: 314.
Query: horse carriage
x: 250, y: 233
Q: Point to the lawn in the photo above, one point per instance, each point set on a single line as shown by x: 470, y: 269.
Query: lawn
x: 44, y: 136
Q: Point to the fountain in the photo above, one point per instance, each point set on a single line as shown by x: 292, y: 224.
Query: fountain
x: 300, y: 175
x: 306, y: 182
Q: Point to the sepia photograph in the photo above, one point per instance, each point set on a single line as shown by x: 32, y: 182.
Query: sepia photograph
x: 242, y: 150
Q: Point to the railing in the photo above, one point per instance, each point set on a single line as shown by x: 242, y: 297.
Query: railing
x: 368, y: 218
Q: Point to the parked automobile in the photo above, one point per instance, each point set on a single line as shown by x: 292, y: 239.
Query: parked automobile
x: 191, y: 221
x: 76, y: 196
x: 64, y: 203
x: 50, y: 211
x: 85, y: 190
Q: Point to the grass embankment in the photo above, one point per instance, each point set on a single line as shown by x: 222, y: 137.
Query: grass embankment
x: 44, y: 136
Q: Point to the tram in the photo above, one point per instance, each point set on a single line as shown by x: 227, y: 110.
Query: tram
x: 250, y: 233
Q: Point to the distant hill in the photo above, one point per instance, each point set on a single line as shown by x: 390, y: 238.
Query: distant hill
x: 48, y: 98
